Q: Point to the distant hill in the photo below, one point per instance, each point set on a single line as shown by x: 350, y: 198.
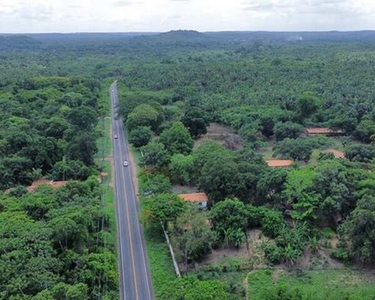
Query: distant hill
x: 294, y: 35
x: 18, y: 42
x: 177, y: 36
x: 87, y: 36
x: 183, y: 34
x: 181, y: 39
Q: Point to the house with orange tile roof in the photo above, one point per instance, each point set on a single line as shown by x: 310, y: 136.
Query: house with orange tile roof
x: 337, y: 153
x: 323, y: 131
x: 199, y: 198
x: 55, y: 184
x: 279, y: 163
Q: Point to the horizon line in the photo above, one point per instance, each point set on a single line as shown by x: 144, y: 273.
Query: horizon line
x: 207, y: 31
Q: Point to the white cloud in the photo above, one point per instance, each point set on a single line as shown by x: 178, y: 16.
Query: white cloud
x: 126, y: 3
x: 203, y: 15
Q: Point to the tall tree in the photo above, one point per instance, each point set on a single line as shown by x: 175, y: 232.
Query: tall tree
x: 177, y: 139
x: 154, y: 155
x: 229, y: 217
x: 192, y: 235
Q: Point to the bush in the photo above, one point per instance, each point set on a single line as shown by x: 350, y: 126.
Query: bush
x: 327, y: 233
x: 154, y: 183
x: 360, y: 153
x: 273, y: 253
x: 140, y: 136
x: 288, y: 130
x: 301, y: 148
x: 255, y: 216
x: 18, y: 191
x: 272, y: 222
x: 340, y: 254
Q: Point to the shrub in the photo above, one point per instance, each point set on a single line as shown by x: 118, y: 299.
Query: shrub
x: 360, y: 153
x: 288, y: 130
x: 340, y: 254
x: 272, y: 222
x: 327, y: 233
x: 255, y: 216
x: 272, y: 253
x: 18, y: 191
x: 140, y: 136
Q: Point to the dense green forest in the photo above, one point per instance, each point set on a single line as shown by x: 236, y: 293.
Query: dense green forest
x: 267, y: 93
x: 260, y: 89
x: 55, y: 243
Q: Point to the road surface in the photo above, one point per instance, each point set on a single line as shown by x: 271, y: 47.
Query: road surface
x: 135, y: 279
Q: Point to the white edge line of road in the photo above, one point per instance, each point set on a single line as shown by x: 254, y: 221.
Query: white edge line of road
x: 122, y: 295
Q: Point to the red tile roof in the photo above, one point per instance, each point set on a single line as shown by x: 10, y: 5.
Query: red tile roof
x: 338, y: 154
x: 54, y: 184
x: 322, y: 131
x: 279, y: 163
x: 194, y: 197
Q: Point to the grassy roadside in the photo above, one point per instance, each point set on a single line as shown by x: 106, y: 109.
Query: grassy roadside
x: 103, y: 160
x: 161, y: 266
x: 310, y: 284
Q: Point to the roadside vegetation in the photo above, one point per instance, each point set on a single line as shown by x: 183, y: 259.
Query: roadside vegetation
x: 315, y: 215
x: 204, y: 113
x: 309, y: 284
x: 56, y: 243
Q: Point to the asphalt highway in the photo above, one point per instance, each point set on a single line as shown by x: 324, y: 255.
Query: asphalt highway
x: 135, y: 279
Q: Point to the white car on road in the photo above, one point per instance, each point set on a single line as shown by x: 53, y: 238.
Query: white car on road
x: 125, y: 163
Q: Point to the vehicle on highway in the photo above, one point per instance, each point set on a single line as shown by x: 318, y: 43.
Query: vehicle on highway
x: 125, y: 163
x: 115, y: 136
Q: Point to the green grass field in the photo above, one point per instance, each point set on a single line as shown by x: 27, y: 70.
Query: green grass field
x: 311, y: 284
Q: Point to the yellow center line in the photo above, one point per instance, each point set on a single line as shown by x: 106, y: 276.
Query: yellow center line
x: 139, y: 233
x: 129, y: 231
x: 114, y: 148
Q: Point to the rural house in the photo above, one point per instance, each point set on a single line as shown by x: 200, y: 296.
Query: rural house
x: 199, y: 198
x: 323, y: 131
x: 279, y: 163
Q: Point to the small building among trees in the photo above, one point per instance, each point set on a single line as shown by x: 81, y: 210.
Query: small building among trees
x: 338, y: 154
x: 199, y: 198
x: 279, y: 163
x: 323, y: 131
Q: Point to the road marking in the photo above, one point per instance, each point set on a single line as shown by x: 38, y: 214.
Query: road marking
x: 139, y: 233
x: 128, y: 220
x: 134, y: 204
x: 120, y: 244
x: 129, y: 232
x: 119, y: 228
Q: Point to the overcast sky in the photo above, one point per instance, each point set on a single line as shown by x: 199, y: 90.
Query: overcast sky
x: 203, y: 15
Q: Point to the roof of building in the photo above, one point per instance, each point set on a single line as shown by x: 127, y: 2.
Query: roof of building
x: 37, y: 183
x: 337, y: 153
x: 279, y: 163
x: 194, y: 197
x: 322, y: 131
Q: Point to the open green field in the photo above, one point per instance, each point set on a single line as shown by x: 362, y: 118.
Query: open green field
x: 311, y: 284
